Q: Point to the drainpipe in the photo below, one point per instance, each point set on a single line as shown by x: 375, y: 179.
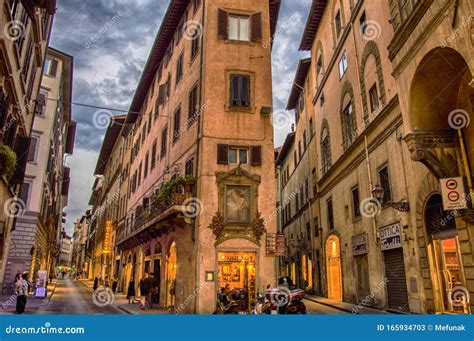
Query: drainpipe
x: 195, y: 234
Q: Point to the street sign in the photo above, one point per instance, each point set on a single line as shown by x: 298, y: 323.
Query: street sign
x: 275, y: 244
x: 452, y: 191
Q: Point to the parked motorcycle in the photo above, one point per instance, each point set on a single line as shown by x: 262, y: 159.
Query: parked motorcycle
x: 234, y: 302
x: 284, y: 299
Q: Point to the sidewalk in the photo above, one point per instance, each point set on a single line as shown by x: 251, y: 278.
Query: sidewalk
x: 121, y: 302
x: 8, y: 302
x: 344, y: 306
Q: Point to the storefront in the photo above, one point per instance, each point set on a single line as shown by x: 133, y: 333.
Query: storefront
x: 238, y: 270
x: 360, y: 251
x: 446, y: 265
x: 171, y: 268
x: 391, y: 246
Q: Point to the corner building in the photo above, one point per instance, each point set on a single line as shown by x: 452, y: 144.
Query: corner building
x: 201, y: 136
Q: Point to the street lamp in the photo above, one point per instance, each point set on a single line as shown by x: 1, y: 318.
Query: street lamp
x: 378, y: 193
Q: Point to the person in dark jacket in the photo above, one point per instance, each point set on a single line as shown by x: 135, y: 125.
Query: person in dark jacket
x: 114, y: 285
x: 131, y: 292
x: 144, y: 290
x: 22, y: 293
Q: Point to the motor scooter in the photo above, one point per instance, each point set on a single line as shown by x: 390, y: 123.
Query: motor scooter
x: 284, y: 299
x: 234, y: 302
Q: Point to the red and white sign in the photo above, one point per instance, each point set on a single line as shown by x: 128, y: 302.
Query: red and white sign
x: 452, y: 190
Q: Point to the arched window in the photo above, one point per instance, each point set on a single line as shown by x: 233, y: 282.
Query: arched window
x: 371, y: 81
x: 325, y: 148
x: 319, y: 65
x: 348, y: 116
x: 338, y: 20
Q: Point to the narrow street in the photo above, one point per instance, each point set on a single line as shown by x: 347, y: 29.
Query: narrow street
x: 318, y: 308
x: 72, y: 297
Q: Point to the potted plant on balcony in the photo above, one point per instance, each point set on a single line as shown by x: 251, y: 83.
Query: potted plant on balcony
x: 182, y: 189
x: 7, y: 161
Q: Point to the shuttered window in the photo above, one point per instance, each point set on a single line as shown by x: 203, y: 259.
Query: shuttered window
x: 256, y: 155
x: 240, y: 91
x: 33, y: 148
x: 179, y: 69
x: 164, y: 137
x: 222, y: 154
x: 153, y: 155
x: 40, y: 104
x: 239, y: 27
x: 222, y: 24
x: 177, y: 125
x: 193, y: 105
x: 256, y: 32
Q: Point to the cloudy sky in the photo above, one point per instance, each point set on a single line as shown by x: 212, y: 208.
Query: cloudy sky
x: 110, y: 41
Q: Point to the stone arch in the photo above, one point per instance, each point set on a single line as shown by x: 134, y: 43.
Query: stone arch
x: 371, y: 49
x: 349, y: 129
x: 333, y: 261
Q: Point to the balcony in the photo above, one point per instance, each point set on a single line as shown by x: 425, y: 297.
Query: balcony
x: 157, y: 218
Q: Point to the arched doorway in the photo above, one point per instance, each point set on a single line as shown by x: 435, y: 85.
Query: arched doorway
x: 171, y: 267
x: 446, y: 266
x: 334, y: 270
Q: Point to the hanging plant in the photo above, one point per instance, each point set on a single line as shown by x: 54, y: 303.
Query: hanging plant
x: 7, y: 161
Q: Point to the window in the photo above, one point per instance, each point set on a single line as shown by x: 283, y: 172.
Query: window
x: 177, y: 125
x: 164, y: 137
x: 238, y: 155
x: 193, y: 105
x: 338, y: 23
x: 153, y: 155
x: 311, y: 128
x: 195, y: 41
x: 385, y: 183
x: 306, y: 187
x: 139, y: 174
x: 25, y: 190
x: 348, y: 121
x: 406, y: 7
x: 314, y: 181
x: 330, y: 214
x: 50, y: 67
x: 308, y: 231
x: 356, y: 201
x: 319, y: 66
x: 363, y: 24
x: 316, y: 227
x: 343, y: 65
x: 41, y: 103
x: 325, y: 151
x: 145, y: 170
x: 304, y: 140
x: 295, y: 158
x: 240, y: 91
x: 239, y: 28
x: 196, y: 4
x: 189, y: 167
x: 374, y: 98
x: 179, y: 68
x: 34, y: 144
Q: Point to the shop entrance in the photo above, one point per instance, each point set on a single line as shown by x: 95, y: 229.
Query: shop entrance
x: 238, y: 271
x: 171, y: 265
x: 334, y: 271
x: 446, y: 261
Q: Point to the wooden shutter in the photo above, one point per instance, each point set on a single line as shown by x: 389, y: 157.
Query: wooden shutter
x: 256, y: 29
x: 71, y: 136
x: 161, y: 94
x: 54, y: 67
x: 66, y: 181
x: 21, y: 150
x: 256, y: 155
x: 222, y: 24
x: 222, y: 154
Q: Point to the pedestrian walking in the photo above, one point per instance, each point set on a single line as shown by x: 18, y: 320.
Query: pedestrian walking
x: 154, y: 290
x: 114, y: 285
x: 144, y: 290
x: 131, y: 292
x: 96, y: 283
x: 22, y: 293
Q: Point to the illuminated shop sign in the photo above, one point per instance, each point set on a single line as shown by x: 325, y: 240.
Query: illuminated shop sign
x: 107, y: 236
x: 390, y: 237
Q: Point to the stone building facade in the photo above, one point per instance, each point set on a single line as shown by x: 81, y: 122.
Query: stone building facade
x: 23, y: 45
x: 200, y: 144
x: 389, y: 125
x: 36, y: 239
